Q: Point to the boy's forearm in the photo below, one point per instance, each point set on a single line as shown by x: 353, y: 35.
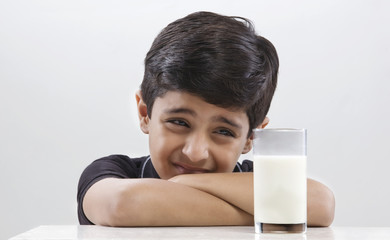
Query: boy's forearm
x: 235, y: 188
x: 155, y: 202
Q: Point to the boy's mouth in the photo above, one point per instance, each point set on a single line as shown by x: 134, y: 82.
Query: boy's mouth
x: 186, y: 169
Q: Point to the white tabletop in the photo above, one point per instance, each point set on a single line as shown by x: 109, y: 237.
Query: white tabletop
x: 236, y: 232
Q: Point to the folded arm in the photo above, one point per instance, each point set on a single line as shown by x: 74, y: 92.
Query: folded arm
x: 190, y: 200
x: 237, y: 189
x: 155, y: 202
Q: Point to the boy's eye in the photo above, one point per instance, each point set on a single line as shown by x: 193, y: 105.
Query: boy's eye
x: 225, y: 132
x: 178, y: 122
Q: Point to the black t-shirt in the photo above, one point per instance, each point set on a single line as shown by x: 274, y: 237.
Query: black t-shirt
x: 121, y: 166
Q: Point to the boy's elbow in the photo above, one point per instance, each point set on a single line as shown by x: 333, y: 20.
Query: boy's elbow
x: 114, y: 202
x: 327, y: 210
x: 122, y: 211
x: 115, y: 217
x: 321, y: 206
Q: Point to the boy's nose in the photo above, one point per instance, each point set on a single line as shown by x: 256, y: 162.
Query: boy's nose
x: 196, y: 148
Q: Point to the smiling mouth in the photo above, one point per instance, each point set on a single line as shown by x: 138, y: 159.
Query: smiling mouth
x: 185, y: 169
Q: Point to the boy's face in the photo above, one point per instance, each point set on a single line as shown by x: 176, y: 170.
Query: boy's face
x: 189, y: 135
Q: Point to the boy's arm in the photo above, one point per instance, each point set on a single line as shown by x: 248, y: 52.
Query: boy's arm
x: 155, y: 202
x: 320, y: 204
x: 237, y: 189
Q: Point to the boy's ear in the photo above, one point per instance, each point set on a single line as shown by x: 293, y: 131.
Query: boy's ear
x: 264, y: 123
x: 142, y: 112
x: 248, y: 144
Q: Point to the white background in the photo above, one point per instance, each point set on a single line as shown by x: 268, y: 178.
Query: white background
x: 69, y: 71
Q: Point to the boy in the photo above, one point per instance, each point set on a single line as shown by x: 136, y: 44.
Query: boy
x: 209, y: 80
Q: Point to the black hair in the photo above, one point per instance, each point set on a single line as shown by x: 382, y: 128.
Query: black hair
x: 217, y: 58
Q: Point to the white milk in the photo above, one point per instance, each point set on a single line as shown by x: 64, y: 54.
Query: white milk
x: 280, y: 189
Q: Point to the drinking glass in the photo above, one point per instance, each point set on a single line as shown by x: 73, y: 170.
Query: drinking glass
x: 279, y: 173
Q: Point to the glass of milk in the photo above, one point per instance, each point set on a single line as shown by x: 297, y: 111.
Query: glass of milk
x: 279, y: 173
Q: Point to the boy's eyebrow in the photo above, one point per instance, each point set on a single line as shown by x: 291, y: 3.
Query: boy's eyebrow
x: 193, y: 113
x: 180, y: 110
x: 227, y: 121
